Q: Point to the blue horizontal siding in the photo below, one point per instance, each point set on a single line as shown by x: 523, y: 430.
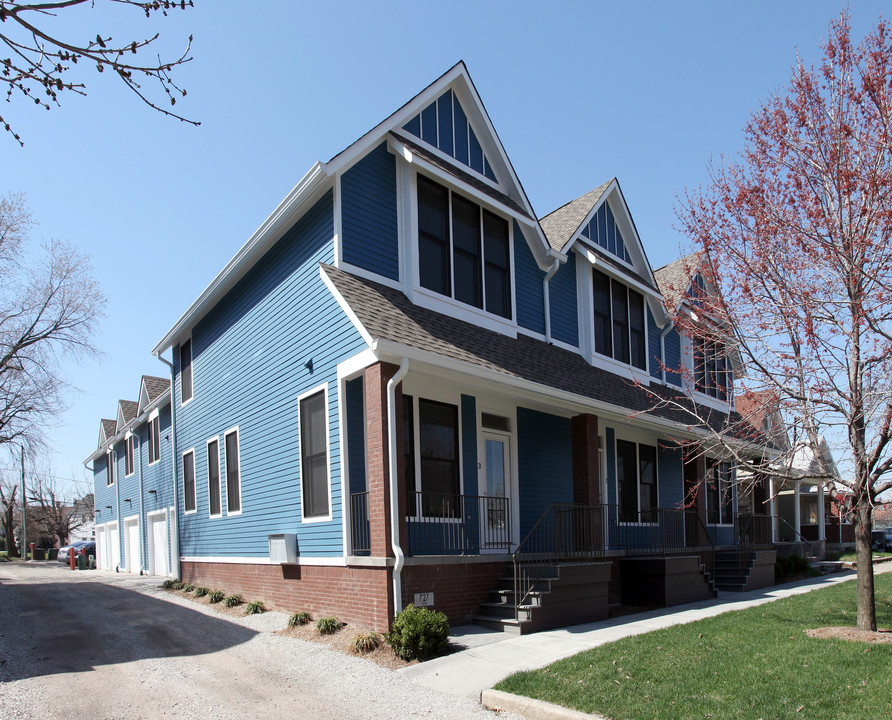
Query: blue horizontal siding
x: 277, y: 334
x: 545, y: 463
x: 562, y: 300
x: 369, y: 216
x: 529, y: 292
x: 672, y: 345
x: 654, y: 359
x: 670, y: 480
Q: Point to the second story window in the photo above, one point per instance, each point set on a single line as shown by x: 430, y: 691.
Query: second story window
x: 110, y: 475
x: 463, y: 250
x: 154, y: 440
x: 128, y: 455
x: 710, y: 369
x: 619, y: 321
x: 186, y: 372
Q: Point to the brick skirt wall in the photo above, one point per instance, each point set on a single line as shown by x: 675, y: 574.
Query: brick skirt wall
x: 458, y: 588
x: 357, y: 595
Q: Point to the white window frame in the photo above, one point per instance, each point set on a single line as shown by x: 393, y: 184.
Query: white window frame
x: 190, y: 451
x: 191, y: 373
x: 154, y: 425
x: 216, y: 439
x: 129, y: 455
x: 315, y: 518
x: 110, y: 470
x: 238, y: 451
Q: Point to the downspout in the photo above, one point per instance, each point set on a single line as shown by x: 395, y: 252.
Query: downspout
x: 663, y: 335
x: 546, y: 279
x: 118, y: 521
x: 392, y: 460
x: 174, y: 536
x: 142, y: 527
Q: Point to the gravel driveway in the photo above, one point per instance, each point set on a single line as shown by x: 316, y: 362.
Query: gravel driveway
x: 99, y: 645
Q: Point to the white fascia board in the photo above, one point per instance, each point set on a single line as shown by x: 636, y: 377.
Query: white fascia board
x: 345, y: 306
x: 272, y: 229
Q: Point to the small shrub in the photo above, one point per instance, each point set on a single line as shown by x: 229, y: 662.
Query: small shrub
x: 167, y: 584
x: 300, y: 618
x: 233, y: 600
x: 328, y: 625
x: 791, y: 565
x: 188, y: 588
x: 418, y: 633
x: 216, y: 596
x: 255, y: 607
x: 177, y: 585
x: 363, y: 644
x: 201, y: 591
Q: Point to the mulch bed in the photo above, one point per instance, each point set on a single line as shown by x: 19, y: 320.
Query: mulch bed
x: 852, y: 634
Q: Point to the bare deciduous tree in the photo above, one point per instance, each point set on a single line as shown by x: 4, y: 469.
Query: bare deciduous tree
x: 40, y: 61
x: 49, y: 309
x: 795, y: 232
x: 60, y: 508
x: 8, y: 502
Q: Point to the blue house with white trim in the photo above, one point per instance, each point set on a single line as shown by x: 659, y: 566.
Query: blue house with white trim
x: 407, y: 387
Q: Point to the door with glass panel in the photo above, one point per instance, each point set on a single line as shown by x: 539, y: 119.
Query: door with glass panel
x: 495, y: 490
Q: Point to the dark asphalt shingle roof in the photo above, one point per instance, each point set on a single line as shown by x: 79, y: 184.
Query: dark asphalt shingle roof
x: 561, y: 225
x: 128, y: 409
x: 675, y: 278
x: 108, y: 427
x: 387, y: 314
x: 155, y: 386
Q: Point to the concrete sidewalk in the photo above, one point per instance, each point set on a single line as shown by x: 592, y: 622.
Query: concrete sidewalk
x: 489, y: 656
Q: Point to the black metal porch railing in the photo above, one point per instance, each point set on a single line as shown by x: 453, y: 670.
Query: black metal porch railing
x: 443, y: 523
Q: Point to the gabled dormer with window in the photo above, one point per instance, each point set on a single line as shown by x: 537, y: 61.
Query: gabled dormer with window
x: 694, y: 343
x: 428, y: 203
x: 619, y: 307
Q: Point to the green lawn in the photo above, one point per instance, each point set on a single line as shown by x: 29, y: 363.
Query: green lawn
x: 754, y: 663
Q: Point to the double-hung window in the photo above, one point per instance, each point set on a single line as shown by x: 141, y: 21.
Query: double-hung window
x: 110, y: 473
x: 233, y: 475
x: 314, y: 455
x: 636, y: 479
x: 463, y: 250
x: 215, y: 507
x: 128, y: 455
x: 434, y: 490
x: 619, y: 321
x: 154, y: 440
x: 189, y: 481
x: 710, y: 369
x: 719, y: 503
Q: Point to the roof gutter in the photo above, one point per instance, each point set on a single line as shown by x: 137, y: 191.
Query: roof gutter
x: 392, y: 460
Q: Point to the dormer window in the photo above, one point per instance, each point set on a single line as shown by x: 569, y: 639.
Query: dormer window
x: 710, y: 369
x: 619, y: 321
x: 463, y: 250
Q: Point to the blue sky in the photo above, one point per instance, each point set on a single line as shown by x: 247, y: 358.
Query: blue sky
x: 579, y: 92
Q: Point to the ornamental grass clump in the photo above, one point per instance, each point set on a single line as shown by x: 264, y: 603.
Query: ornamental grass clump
x: 300, y: 618
x: 418, y: 633
x: 216, y: 596
x: 201, y: 591
x: 328, y: 625
x: 255, y: 607
x: 363, y: 644
x: 233, y: 600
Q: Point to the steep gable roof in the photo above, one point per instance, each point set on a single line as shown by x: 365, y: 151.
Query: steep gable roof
x: 151, y: 389
x: 106, y: 431
x: 127, y: 410
x: 674, y: 279
x: 562, y: 224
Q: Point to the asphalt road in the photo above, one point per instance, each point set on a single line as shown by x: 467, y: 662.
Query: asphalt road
x: 88, y: 644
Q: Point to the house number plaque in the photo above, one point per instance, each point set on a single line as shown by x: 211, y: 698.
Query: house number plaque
x: 424, y: 599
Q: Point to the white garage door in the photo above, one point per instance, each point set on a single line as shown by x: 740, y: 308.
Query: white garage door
x: 113, y: 544
x: 158, y: 545
x: 131, y: 546
x: 101, y: 551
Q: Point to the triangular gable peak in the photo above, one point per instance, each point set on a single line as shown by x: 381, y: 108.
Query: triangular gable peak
x: 150, y: 389
x: 106, y: 432
x: 126, y: 412
x: 682, y: 281
x: 444, y: 124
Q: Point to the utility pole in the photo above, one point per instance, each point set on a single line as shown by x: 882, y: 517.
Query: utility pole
x: 24, y: 510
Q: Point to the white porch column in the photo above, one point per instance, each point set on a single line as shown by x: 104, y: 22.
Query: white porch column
x: 822, y: 528
x: 772, y: 509
x: 797, y: 511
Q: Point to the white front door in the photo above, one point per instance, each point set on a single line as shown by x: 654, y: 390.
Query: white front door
x: 158, y: 549
x: 495, y: 491
x: 131, y: 546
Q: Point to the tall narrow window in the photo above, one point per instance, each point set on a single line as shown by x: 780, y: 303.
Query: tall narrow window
x: 719, y: 501
x: 214, y: 478
x: 710, y: 369
x: 638, y: 349
x: 620, y: 322
x: 186, y: 371
x: 497, y: 261
x: 128, y: 455
x: 314, y: 455
x: 466, y: 251
x: 636, y: 477
x: 603, y: 331
x: 233, y: 477
x: 647, y: 482
x: 154, y: 440
x: 439, y: 456
x: 433, y: 237
x: 110, y: 460
x: 409, y: 454
x: 189, y: 481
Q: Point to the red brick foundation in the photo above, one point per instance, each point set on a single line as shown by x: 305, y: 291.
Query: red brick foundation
x: 458, y: 588
x: 352, y: 594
